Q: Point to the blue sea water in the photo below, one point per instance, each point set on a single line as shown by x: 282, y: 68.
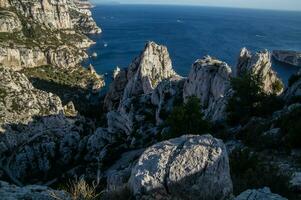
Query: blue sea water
x: 191, y: 33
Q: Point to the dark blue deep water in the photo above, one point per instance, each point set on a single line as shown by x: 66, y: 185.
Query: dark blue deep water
x: 191, y: 33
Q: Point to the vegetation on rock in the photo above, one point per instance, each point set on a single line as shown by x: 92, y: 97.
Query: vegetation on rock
x: 187, y: 119
x: 250, y: 100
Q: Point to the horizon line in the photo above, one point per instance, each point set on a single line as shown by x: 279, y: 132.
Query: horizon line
x: 197, y: 5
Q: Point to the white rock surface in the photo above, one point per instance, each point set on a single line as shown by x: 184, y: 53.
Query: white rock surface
x: 18, y: 58
x: 148, y: 70
x: 209, y: 80
x: 52, y: 13
x: 9, y: 22
x: 259, y: 64
x: 188, y: 167
x: 260, y: 194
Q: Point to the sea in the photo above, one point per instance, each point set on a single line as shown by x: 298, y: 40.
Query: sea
x: 190, y: 33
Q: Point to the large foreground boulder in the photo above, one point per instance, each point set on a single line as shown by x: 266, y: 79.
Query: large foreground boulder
x: 188, y: 167
x: 260, y: 194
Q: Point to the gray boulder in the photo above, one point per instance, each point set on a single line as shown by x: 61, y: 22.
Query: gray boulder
x: 33, y: 192
x: 260, y: 194
x: 188, y: 167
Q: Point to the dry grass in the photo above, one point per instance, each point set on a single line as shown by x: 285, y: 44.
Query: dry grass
x: 80, y: 190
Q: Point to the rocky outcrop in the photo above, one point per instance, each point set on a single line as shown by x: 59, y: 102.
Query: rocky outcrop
x: 115, y: 92
x: 53, y: 14
x: 148, y: 70
x: 20, y: 101
x: 9, y: 22
x: 209, y: 80
x: 82, y: 17
x: 260, y: 64
x: 288, y: 57
x: 189, y: 167
x: 4, y: 3
x: 165, y: 96
x: 34, y: 192
x: 260, y: 194
x: 18, y: 58
x: 65, y: 56
x: 132, y: 89
x: 46, y: 36
x: 294, y: 89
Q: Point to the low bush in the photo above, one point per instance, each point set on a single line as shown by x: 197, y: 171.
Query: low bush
x: 249, y: 100
x: 249, y: 171
x: 290, y: 125
x: 187, y: 119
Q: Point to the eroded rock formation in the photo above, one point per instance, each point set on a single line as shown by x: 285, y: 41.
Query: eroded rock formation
x: 209, y: 80
x: 260, y: 64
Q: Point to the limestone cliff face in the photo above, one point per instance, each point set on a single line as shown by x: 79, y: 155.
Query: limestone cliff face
x: 9, y: 22
x: 147, y: 70
x: 44, y: 32
x: 209, y: 80
x: 21, y: 57
x: 81, y: 16
x: 52, y: 13
x: 260, y: 64
x: 20, y: 101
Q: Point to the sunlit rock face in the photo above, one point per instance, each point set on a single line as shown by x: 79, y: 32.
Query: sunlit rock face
x: 260, y: 64
x: 183, y: 168
x: 209, y: 80
x: 20, y: 101
x: 52, y: 13
x: 148, y: 70
x: 9, y: 22
x: 142, y: 76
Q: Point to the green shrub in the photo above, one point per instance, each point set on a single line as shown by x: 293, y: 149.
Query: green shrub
x: 290, y: 125
x: 249, y: 171
x: 293, y: 79
x: 187, y: 119
x: 250, y: 100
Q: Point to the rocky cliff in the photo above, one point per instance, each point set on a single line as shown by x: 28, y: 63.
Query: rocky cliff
x: 36, y: 33
x: 53, y: 124
x: 260, y: 64
x: 209, y: 80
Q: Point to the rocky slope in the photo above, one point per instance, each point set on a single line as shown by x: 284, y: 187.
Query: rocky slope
x: 20, y: 101
x: 126, y: 149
